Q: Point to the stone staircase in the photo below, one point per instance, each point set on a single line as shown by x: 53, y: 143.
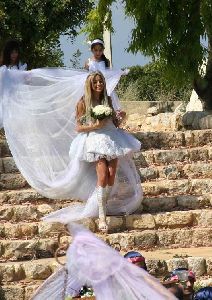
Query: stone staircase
x: 176, y: 174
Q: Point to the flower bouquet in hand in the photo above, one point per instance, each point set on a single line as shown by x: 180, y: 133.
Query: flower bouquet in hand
x: 101, y: 112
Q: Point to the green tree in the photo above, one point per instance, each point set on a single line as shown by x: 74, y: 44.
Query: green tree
x: 171, y: 31
x: 38, y: 24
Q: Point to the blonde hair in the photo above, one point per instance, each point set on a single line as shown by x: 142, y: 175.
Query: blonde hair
x: 88, y: 91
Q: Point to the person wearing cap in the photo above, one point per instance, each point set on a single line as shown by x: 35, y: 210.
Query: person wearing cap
x: 137, y: 259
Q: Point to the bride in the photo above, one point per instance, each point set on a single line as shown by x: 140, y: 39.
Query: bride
x: 63, y: 150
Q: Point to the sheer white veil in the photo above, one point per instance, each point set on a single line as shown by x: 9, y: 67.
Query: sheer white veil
x: 91, y: 262
x: 38, y: 115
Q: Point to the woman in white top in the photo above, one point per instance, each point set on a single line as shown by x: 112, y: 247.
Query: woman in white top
x: 11, y: 56
x: 99, y: 62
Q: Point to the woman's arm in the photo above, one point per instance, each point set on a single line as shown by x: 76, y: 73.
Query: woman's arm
x: 118, y: 116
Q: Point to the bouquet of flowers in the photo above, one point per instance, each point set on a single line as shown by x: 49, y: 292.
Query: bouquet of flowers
x: 101, y: 112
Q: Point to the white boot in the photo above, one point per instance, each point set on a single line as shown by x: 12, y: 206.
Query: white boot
x: 108, y: 191
x: 102, y: 199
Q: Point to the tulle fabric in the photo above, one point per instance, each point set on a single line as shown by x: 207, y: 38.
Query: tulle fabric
x: 91, y: 262
x: 39, y: 120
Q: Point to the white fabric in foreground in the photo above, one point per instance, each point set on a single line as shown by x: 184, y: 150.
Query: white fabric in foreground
x: 38, y: 114
x: 91, y: 262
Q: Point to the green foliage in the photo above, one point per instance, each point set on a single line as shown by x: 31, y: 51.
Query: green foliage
x: 38, y: 24
x: 99, y: 17
x: 169, y: 31
x: 148, y: 84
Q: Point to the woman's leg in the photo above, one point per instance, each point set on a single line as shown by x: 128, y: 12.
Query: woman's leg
x: 112, y: 166
x: 102, y: 181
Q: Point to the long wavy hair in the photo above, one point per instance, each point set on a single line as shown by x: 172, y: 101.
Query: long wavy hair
x: 9, y: 47
x: 88, y: 94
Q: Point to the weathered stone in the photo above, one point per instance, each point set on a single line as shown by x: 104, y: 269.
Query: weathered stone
x: 10, y: 273
x: 9, y: 165
x: 197, y: 265
x: 2, y: 230
x: 156, y: 267
x: 198, y: 154
x: 195, y: 103
x: 25, y: 212
x: 143, y: 159
x: 204, y: 218
x: 149, y: 139
x: 197, y: 138
x: 192, y: 201
x: 44, y: 209
x: 126, y: 240
x: 171, y: 156
x: 12, y: 181
x: 12, y: 292
x: 210, y: 153
x: 198, y: 170
x: 209, y: 265
x: 114, y: 223
x: 20, y: 230
x: 173, y: 219
x: 170, y: 172
x: 152, y: 111
x: 159, y: 204
x: 146, y: 239
x: 202, y: 237
x: 199, y: 185
x: 48, y: 229
x: 30, y: 290
x: 37, y: 271
x: 1, y: 166
x: 18, y: 197
x: 175, y: 238
x: 148, y: 173
x: 175, y: 263
x: 144, y: 221
x: 16, y: 248
x: 170, y: 139
x: 167, y: 186
x: 6, y: 213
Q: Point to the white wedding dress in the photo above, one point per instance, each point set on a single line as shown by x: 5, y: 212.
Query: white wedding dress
x: 38, y: 115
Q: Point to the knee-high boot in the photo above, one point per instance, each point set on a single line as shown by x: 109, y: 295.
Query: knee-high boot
x: 102, y: 199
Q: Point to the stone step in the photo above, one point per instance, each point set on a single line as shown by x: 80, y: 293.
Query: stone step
x: 167, y: 140
x: 180, y: 228
x: 169, y: 171
x: 176, y: 171
x: 28, y: 249
x: 22, y: 196
x: 144, y: 158
x: 32, y: 211
x: 156, y: 140
x: 172, y: 156
x: 12, y: 181
x: 41, y: 269
x: 27, y: 212
x: 177, y: 187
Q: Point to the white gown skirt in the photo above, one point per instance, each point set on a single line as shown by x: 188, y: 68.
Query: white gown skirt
x: 109, y: 143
